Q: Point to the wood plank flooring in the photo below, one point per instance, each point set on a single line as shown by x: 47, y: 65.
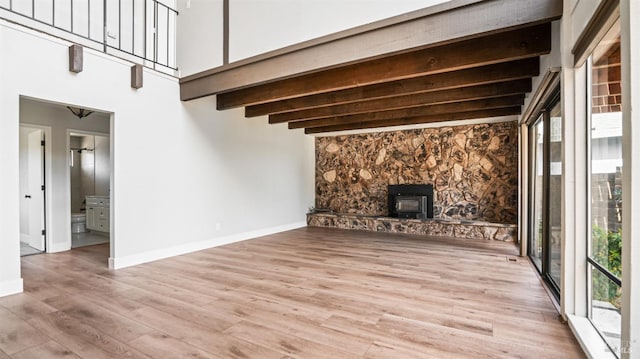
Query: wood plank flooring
x: 307, y: 293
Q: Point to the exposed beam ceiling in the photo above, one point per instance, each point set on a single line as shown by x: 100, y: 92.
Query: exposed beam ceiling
x: 507, y: 71
x: 407, y: 101
x: 439, y: 109
x: 454, y: 116
x: 423, y: 67
x: 512, y: 45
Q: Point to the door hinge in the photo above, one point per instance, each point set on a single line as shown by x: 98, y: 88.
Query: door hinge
x: 44, y: 232
x: 42, y: 187
x: 42, y: 143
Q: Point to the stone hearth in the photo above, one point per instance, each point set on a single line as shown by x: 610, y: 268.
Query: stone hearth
x: 428, y: 227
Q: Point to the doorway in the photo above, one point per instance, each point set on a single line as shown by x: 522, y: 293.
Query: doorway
x: 89, y: 178
x: 58, y: 121
x: 32, y: 190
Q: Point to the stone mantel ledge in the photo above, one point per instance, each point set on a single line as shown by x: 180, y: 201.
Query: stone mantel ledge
x: 466, y: 229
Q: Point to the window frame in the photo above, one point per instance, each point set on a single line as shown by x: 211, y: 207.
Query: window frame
x: 551, y: 97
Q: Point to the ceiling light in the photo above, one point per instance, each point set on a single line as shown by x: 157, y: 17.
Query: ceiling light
x: 79, y: 112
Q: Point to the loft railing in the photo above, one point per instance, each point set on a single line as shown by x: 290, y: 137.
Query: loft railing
x: 143, y: 31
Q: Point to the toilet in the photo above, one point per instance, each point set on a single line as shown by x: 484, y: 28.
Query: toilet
x: 78, y: 223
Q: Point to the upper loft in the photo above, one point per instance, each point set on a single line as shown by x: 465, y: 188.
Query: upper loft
x: 454, y: 60
x: 457, y: 60
x: 140, y: 31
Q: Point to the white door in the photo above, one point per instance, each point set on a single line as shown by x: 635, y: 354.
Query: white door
x: 32, y: 181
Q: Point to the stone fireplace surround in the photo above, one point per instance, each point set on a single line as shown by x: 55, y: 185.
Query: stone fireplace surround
x: 430, y: 227
x: 473, y: 169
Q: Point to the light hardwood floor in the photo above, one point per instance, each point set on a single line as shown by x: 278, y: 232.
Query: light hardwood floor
x: 307, y: 293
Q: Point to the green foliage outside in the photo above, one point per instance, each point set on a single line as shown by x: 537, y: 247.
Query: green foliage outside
x: 606, y: 249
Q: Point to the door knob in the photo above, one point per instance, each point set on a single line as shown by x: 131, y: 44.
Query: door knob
x: 27, y: 196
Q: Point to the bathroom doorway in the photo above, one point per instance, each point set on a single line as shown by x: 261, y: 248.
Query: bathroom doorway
x: 89, y: 178
x: 32, y: 190
x: 59, y: 121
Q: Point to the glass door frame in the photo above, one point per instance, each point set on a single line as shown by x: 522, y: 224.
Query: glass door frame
x: 591, y: 263
x: 544, y: 116
x: 534, y: 152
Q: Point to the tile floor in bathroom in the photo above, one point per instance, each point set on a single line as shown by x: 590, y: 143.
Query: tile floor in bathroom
x: 77, y: 240
x: 88, y: 239
x: 27, y: 250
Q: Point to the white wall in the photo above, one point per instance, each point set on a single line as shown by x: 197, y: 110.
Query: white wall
x: 199, y: 35
x: 259, y: 26
x: 102, y: 164
x: 185, y: 175
x: 548, y: 61
x: 10, y: 281
x: 125, y: 25
x: 579, y: 14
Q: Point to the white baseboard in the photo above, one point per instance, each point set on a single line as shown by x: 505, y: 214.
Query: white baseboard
x: 11, y: 287
x: 128, y: 261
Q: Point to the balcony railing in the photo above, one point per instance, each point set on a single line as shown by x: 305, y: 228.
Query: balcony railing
x: 142, y: 31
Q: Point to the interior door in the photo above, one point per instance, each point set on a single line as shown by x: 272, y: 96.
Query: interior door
x: 34, y: 195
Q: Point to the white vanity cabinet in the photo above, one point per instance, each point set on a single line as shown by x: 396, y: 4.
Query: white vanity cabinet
x: 98, y: 213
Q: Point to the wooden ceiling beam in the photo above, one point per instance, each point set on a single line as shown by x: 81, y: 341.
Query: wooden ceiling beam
x: 406, y: 101
x: 501, y: 47
x: 506, y: 71
x: 433, y: 26
x: 488, y: 113
x: 439, y: 109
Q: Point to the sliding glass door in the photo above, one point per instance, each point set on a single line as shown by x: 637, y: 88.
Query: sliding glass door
x: 536, y: 237
x: 555, y: 193
x: 545, y: 181
x: 605, y: 189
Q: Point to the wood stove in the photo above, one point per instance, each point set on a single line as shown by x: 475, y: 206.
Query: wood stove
x: 411, y: 201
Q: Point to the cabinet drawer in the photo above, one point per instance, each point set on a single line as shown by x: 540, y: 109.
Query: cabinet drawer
x: 97, y: 202
x: 103, y: 217
x: 98, y: 213
x: 102, y: 225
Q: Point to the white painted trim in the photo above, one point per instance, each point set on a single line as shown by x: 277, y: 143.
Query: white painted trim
x: 128, y: 261
x: 523, y: 189
x: 24, y: 238
x: 59, y: 247
x: 630, y: 331
x: 589, y: 339
x: 577, y: 227
x: 572, y: 96
x: 11, y: 287
x: 112, y: 188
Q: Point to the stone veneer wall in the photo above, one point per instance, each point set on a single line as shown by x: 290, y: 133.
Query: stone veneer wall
x: 473, y: 168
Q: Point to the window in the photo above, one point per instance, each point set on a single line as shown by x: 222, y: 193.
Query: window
x: 545, y: 190
x: 605, y: 187
x: 537, y: 188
